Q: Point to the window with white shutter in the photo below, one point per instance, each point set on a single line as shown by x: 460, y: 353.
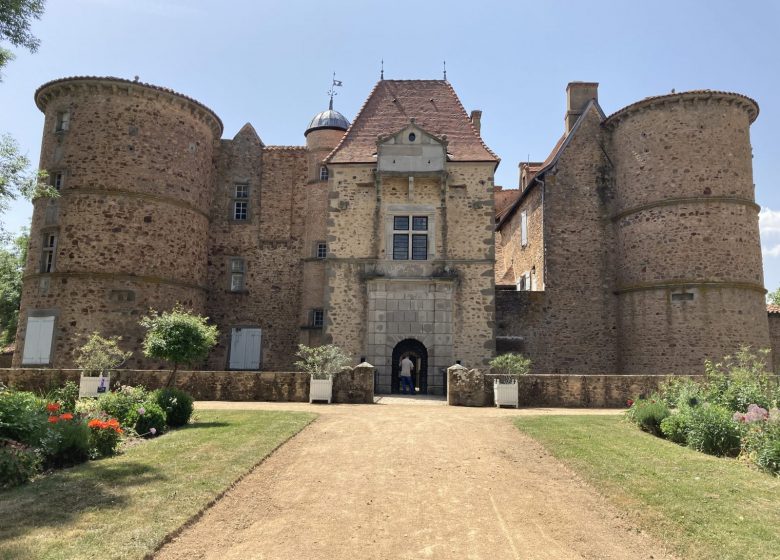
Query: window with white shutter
x: 524, y: 228
x: 37, y: 340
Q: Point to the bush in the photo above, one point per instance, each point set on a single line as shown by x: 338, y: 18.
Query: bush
x: 740, y: 380
x: 648, y: 414
x: 177, y: 404
x: 510, y: 366
x: 22, y: 417
x: 103, y: 436
x: 321, y: 361
x: 18, y: 463
x: 148, y: 419
x: 66, y: 441
x: 675, y: 427
x: 100, y: 355
x: 66, y: 396
x: 761, y: 440
x: 712, y: 430
x: 681, y: 392
x: 122, y: 402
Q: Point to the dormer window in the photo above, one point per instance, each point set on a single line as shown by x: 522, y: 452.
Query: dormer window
x: 411, y: 150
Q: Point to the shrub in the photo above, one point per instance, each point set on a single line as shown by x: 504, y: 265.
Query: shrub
x: 148, y: 419
x: 100, y: 355
x: 122, y: 402
x: 22, y: 417
x: 18, y: 463
x: 321, y: 361
x: 510, y: 366
x: 103, y: 436
x: 712, y: 430
x: 66, y: 396
x: 675, y: 427
x: 761, y: 440
x: 648, y: 414
x: 740, y: 380
x: 66, y: 441
x: 178, y: 336
x: 679, y: 392
x: 177, y: 405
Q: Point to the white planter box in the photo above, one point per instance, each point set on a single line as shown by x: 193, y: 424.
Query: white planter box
x: 506, y: 394
x: 321, y: 389
x: 94, y: 386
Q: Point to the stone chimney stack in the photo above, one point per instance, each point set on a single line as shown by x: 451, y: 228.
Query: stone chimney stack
x: 577, y: 96
x: 476, y: 120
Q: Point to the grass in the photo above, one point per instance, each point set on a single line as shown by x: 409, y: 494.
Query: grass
x: 123, y: 507
x: 706, y: 507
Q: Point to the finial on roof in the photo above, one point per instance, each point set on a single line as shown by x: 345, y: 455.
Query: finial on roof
x: 382, y: 69
x: 445, y: 70
x: 672, y: 90
x: 334, y: 84
x: 136, y: 79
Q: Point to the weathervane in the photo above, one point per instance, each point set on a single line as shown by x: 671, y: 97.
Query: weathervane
x: 332, y: 92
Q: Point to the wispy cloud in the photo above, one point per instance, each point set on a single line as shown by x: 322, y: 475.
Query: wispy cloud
x: 769, y: 226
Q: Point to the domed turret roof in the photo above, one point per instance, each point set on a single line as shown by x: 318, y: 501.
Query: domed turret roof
x: 329, y: 119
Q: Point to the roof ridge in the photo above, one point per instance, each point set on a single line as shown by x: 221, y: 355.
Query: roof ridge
x: 471, y: 125
x: 352, y: 124
x: 668, y: 96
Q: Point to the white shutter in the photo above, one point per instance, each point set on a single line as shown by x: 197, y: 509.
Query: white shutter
x: 524, y: 228
x: 37, y: 340
x: 245, y: 347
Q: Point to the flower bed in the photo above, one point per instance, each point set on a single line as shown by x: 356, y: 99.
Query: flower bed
x: 60, y: 430
x: 733, y: 412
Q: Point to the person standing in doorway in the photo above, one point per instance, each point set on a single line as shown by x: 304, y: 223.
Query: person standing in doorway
x: 406, y: 375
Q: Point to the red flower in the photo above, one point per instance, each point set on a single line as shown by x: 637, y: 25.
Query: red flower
x: 52, y: 407
x: 66, y: 416
x: 629, y: 403
x: 54, y: 419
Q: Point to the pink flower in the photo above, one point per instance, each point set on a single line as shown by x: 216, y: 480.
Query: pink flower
x: 153, y: 431
x: 141, y: 411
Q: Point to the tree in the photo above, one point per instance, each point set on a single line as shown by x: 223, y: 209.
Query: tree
x: 178, y: 336
x: 11, y: 270
x: 773, y: 297
x: 321, y: 361
x: 15, y: 19
x: 101, y: 355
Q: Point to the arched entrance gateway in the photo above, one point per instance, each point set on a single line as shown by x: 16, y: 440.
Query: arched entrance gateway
x: 419, y: 355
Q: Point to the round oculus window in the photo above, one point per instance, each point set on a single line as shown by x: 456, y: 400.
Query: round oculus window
x: 412, y: 137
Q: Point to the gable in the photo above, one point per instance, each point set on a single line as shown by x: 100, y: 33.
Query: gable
x: 411, y: 150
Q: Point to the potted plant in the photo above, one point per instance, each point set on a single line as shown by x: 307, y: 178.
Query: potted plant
x: 96, y: 359
x: 321, y: 363
x: 507, y: 369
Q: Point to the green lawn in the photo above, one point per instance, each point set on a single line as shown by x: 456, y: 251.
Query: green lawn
x: 705, y: 506
x: 124, y: 506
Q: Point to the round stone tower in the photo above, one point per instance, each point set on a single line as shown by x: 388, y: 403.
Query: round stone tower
x: 129, y: 232
x: 689, y: 275
x: 322, y: 135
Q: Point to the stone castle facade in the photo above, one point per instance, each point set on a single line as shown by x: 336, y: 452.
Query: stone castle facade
x: 633, y: 249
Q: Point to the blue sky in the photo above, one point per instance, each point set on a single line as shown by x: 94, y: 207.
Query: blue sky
x: 270, y: 63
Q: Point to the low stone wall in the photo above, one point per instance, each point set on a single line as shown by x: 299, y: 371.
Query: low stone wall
x: 350, y: 386
x: 475, y: 388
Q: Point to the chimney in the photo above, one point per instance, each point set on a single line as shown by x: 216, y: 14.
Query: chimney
x: 476, y: 120
x: 577, y: 96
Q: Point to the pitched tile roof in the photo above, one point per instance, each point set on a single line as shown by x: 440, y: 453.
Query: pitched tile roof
x: 771, y: 308
x: 393, y: 103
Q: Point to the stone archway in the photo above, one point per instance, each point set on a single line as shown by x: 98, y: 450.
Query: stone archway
x: 418, y: 353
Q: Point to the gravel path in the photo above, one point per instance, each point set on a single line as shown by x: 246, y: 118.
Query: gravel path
x: 410, y: 479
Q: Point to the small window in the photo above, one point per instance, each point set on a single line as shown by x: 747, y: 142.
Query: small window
x: 240, y: 210
x: 47, y: 252
x: 400, y: 247
x: 57, y: 179
x: 317, y: 318
x: 685, y: 296
x: 401, y: 223
x: 408, y: 245
x: 524, y: 228
x: 524, y: 283
x: 412, y: 137
x: 323, y: 173
x: 63, y: 121
x: 420, y: 223
x: 419, y: 247
x: 237, y: 274
x: 242, y: 191
x: 322, y: 250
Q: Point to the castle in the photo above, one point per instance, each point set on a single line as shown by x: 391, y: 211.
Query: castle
x: 633, y: 248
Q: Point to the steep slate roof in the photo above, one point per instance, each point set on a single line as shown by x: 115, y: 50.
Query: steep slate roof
x: 393, y: 103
